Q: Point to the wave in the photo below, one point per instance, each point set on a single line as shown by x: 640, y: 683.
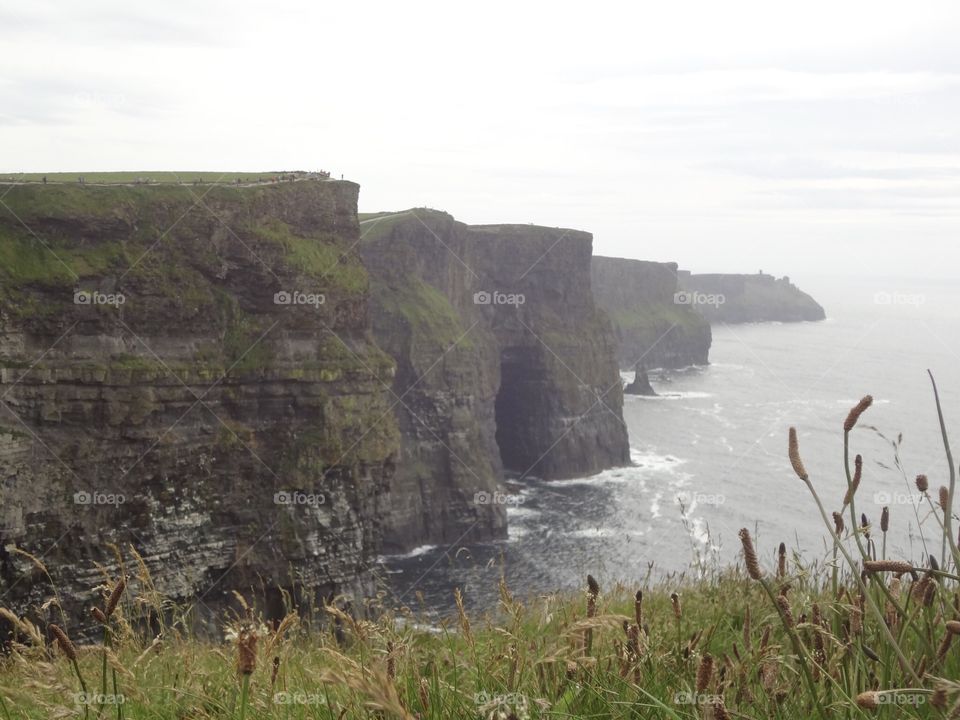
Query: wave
x: 603, y: 532
x: 515, y: 532
x: 645, y: 459
x: 616, y: 476
x: 515, y: 512
x: 416, y: 552
x: 655, y: 506
x: 670, y: 395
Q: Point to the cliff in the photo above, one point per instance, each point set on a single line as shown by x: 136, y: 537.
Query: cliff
x: 751, y: 298
x: 189, y: 372
x: 652, y: 324
x: 503, y: 361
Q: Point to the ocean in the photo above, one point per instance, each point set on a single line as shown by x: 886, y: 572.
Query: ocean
x: 710, y: 454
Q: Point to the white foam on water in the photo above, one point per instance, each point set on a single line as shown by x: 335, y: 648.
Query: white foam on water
x: 416, y: 552
x: 655, y: 506
x: 518, y: 512
x: 613, y: 476
x: 603, y: 532
x: 515, y: 532
x: 648, y: 461
x: 670, y: 395
x: 585, y: 482
x: 716, y: 412
x: 684, y: 369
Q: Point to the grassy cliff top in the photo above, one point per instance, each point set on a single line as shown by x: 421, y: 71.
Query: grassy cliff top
x: 174, y: 249
x: 75, y: 229
x: 383, y: 220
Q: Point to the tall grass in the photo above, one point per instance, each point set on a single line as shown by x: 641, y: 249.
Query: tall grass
x: 858, y: 634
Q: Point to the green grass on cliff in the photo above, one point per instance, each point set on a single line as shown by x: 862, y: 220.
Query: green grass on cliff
x: 23, y: 258
x: 433, y: 322
x: 152, y: 176
x: 374, y: 226
x: 656, y: 315
x: 321, y: 257
x: 56, y: 233
x: 160, y: 242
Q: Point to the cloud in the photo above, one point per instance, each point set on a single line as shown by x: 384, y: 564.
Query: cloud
x: 927, y: 201
x: 697, y: 127
x: 808, y: 168
x: 95, y: 22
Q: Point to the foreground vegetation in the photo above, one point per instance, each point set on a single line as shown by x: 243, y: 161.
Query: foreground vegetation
x: 859, y: 635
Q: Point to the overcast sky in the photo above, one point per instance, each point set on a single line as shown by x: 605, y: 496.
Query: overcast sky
x: 802, y: 137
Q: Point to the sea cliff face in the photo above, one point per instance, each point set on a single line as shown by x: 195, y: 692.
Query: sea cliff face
x: 512, y: 366
x: 751, y: 298
x: 654, y: 326
x: 229, y: 420
x: 194, y: 391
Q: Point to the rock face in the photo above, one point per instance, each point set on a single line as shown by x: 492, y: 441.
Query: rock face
x: 503, y: 361
x: 235, y: 437
x: 641, y: 383
x: 653, y: 324
x: 751, y: 298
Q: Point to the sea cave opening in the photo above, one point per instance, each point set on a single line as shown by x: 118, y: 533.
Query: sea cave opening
x: 519, y: 410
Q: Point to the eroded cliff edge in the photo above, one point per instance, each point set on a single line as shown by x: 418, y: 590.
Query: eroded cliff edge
x: 235, y: 438
x: 503, y: 361
x: 654, y: 325
x: 752, y: 298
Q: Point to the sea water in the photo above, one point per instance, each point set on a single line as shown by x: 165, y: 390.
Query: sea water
x: 709, y: 454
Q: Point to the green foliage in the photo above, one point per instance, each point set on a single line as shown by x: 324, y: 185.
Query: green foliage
x: 432, y: 320
x: 153, y: 176
x: 655, y: 315
x: 24, y: 258
x: 375, y: 226
x: 322, y: 258
x: 527, y: 657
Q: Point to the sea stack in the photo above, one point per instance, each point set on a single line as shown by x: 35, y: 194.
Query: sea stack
x: 641, y: 383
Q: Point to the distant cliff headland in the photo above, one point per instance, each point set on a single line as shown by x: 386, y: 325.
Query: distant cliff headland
x: 751, y: 298
x: 661, y: 315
